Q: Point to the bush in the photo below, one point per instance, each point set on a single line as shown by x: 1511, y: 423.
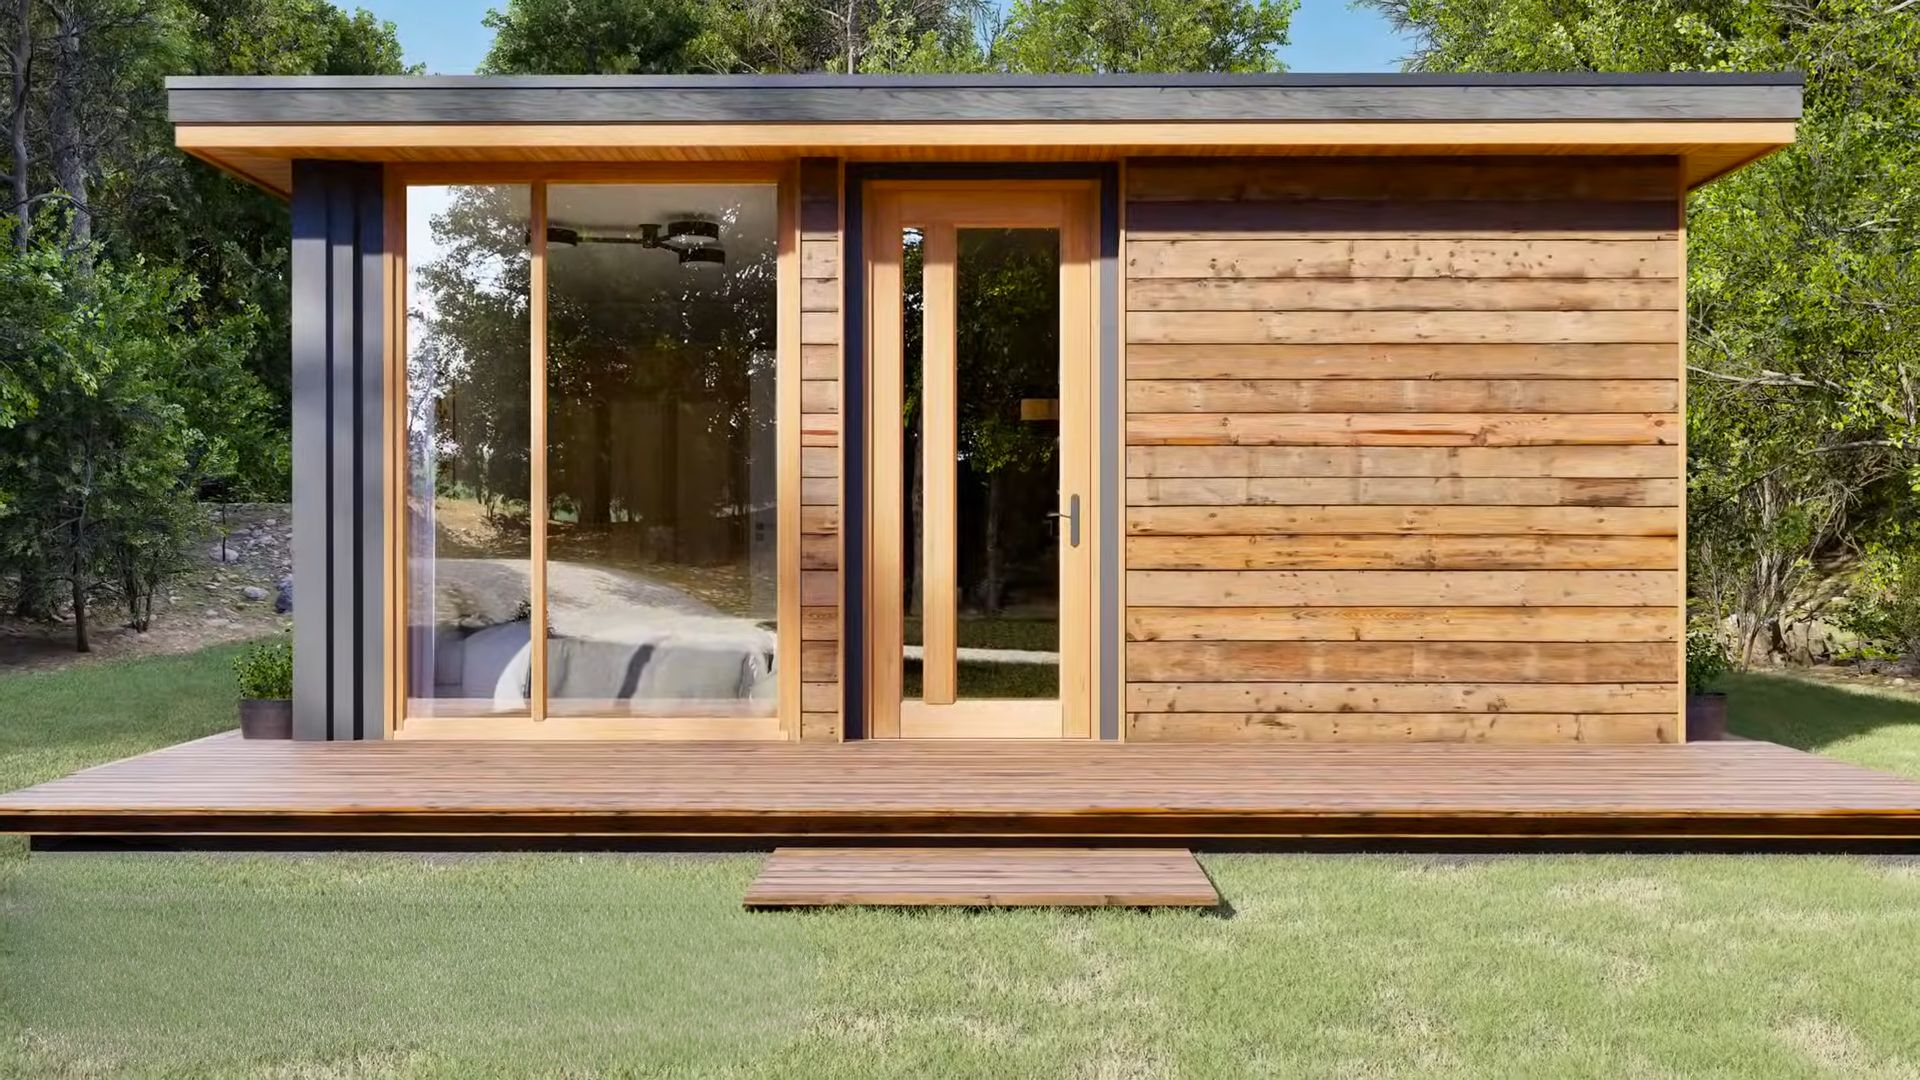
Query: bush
x: 1707, y: 658
x: 265, y: 671
x: 1884, y: 606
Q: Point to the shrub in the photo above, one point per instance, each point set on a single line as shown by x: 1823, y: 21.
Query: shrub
x: 1707, y: 658
x: 265, y: 671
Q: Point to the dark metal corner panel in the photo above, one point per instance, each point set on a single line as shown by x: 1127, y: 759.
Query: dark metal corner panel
x: 339, y: 332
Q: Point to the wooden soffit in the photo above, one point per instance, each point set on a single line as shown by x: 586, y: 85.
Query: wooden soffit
x: 264, y: 154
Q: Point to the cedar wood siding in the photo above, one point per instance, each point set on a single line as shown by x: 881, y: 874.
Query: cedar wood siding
x: 820, y: 472
x: 1403, y: 449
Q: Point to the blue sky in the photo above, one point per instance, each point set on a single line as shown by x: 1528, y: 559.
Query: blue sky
x: 446, y: 35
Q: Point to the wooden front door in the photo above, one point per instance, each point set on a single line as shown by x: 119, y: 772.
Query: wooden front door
x: 981, y: 324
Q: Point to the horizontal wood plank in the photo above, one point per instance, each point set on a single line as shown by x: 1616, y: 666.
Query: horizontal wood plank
x: 1400, y: 294
x: 1449, y: 491
x: 1573, y: 462
x: 1404, y: 429
x: 1346, y: 217
x: 1400, y: 258
x: 1411, y: 327
x: 1402, y: 623
x: 1407, y: 588
x: 1402, y: 395
x: 1315, y: 697
x: 981, y: 877
x: 1416, y: 551
x: 1510, y: 728
x: 1395, y: 661
x: 1431, y: 520
x: 1503, y: 178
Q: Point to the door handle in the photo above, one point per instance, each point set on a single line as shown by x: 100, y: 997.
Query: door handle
x: 1073, y: 520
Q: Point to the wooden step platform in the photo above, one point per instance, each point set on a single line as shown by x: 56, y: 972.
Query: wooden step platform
x: 982, y: 877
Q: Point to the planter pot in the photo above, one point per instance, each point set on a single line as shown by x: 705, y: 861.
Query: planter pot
x: 1706, y: 717
x: 266, y: 718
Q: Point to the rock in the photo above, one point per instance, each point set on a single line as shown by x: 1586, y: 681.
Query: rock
x: 225, y: 553
x: 254, y: 592
x: 283, y: 602
x: 1899, y: 682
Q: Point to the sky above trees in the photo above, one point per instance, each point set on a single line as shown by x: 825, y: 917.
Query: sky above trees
x: 1327, y: 35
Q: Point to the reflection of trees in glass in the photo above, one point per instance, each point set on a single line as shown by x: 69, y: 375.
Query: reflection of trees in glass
x: 1008, y: 328
x: 467, y: 360
x: 690, y: 348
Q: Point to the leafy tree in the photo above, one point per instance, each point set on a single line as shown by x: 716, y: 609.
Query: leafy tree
x: 130, y: 403
x: 1143, y: 35
x: 1803, y: 282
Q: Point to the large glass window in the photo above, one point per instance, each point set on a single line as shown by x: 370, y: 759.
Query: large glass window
x: 661, y: 578
x: 468, y: 550
x: 657, y: 368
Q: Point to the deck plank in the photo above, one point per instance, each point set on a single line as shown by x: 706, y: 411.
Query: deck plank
x: 223, y: 785
x: 981, y: 877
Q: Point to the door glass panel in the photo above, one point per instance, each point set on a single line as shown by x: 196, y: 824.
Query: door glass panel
x: 1004, y: 410
x: 468, y: 546
x: 661, y: 530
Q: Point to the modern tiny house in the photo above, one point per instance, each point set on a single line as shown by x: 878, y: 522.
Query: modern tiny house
x: 1199, y: 408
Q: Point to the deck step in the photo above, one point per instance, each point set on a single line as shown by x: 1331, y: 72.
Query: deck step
x: 981, y: 877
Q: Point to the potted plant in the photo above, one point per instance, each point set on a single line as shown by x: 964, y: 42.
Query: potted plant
x: 265, y: 673
x: 1707, y: 660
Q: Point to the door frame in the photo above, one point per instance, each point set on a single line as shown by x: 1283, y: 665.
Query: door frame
x: 981, y: 196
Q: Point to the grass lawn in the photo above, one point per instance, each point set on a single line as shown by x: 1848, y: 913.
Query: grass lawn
x: 564, y: 965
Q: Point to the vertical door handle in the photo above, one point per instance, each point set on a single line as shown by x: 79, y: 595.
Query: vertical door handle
x: 1073, y: 519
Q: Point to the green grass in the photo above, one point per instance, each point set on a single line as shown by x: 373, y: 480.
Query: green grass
x: 1873, y: 727
x: 369, y: 966
x: 997, y: 632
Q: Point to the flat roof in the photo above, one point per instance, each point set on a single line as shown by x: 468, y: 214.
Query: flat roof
x: 256, y: 126
x: 764, y: 99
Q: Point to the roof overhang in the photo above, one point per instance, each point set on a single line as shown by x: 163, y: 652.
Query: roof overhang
x: 256, y: 126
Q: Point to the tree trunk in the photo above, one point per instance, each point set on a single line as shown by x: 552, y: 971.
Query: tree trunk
x: 992, y: 599
x: 79, y: 582
x: 22, y: 59
x: 69, y: 157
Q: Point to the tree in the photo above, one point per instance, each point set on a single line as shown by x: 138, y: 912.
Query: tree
x: 1096, y: 36
x: 1803, y: 415
x: 100, y: 477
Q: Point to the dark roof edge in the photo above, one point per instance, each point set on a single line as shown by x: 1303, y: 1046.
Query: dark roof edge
x: 934, y: 82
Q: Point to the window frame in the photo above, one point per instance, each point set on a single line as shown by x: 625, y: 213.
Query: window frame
x: 784, y: 724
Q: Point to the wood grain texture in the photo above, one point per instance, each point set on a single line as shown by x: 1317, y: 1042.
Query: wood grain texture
x: 1429, y: 520
x: 819, y: 198
x: 1408, y: 588
x: 1403, y: 428
x: 1400, y: 294
x: 1395, y: 661
x: 1401, y: 620
x: 903, y: 791
x: 981, y: 877
x: 1316, y: 697
x: 1420, y: 551
x: 1591, y: 462
x: 1453, y: 491
x: 1402, y: 395
x: 1505, y: 728
x: 1411, y: 327
x: 1515, y: 257
x: 1503, y: 179
x: 1401, y: 360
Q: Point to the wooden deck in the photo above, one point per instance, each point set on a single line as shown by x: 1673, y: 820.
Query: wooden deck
x: 982, y: 877
x: 222, y: 786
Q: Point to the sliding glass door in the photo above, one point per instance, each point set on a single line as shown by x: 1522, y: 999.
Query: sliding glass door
x: 592, y: 469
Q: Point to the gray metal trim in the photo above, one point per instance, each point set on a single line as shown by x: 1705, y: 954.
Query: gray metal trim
x: 834, y: 99
x: 1322, y: 79
x: 1110, y: 396
x: 338, y: 488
